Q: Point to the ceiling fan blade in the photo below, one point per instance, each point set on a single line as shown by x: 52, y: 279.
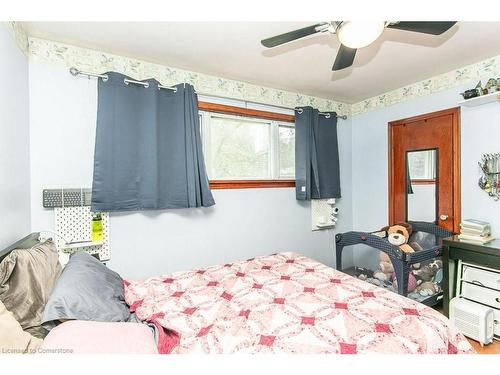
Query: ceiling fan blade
x: 292, y: 35
x: 426, y: 27
x: 345, y: 57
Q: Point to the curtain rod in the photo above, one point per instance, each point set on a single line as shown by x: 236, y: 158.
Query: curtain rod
x: 76, y: 72
x: 326, y: 114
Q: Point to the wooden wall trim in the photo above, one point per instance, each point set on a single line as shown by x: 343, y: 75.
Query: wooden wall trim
x: 232, y: 110
x: 390, y: 138
x: 423, y: 182
x: 457, y: 202
x: 250, y: 184
x: 247, y: 184
x: 425, y: 116
x: 457, y: 172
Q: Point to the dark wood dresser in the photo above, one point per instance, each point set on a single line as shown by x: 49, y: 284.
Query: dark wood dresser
x: 484, y: 260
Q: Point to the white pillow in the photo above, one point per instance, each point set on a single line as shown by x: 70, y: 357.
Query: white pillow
x: 84, y: 337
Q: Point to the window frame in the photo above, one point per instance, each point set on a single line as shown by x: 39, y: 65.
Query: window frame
x: 276, y: 120
x: 429, y: 168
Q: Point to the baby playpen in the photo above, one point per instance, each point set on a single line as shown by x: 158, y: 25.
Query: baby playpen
x: 417, y: 275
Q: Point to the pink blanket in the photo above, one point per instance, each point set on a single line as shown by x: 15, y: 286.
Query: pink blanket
x: 288, y: 303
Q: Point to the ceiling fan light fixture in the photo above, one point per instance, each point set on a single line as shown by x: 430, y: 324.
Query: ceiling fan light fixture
x: 359, y: 34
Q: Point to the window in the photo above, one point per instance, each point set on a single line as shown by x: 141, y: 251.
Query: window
x: 286, y: 139
x: 238, y: 148
x: 422, y: 165
x: 248, y: 151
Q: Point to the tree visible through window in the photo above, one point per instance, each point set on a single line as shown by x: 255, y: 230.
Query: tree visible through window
x: 422, y: 165
x: 287, y: 151
x: 239, y: 149
x: 245, y: 148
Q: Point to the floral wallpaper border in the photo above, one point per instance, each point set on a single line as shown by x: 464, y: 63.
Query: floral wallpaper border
x: 19, y: 36
x: 100, y: 62
x: 471, y: 73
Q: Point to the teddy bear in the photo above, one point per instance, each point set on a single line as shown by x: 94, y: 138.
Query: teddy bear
x: 399, y: 235
x: 385, y: 268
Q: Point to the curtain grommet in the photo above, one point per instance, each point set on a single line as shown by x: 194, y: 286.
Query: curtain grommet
x: 129, y: 81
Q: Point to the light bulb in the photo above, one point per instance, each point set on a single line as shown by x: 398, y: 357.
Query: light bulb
x: 358, y: 34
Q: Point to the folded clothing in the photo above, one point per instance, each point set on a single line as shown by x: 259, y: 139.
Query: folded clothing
x: 82, y: 337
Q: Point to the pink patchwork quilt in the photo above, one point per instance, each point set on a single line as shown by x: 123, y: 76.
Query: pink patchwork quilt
x: 287, y: 303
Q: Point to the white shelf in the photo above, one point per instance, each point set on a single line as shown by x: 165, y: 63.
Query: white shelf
x: 76, y: 245
x: 326, y: 225
x: 480, y: 100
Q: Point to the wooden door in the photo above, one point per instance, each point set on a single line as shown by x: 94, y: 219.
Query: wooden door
x: 439, y: 131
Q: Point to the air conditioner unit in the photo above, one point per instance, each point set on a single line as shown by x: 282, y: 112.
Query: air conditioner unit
x: 472, y: 319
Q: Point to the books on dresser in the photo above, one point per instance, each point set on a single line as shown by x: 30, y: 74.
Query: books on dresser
x: 478, y: 239
x: 474, y: 224
x: 476, y: 231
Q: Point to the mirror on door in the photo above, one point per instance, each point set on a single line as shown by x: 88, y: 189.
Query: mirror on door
x: 421, y: 185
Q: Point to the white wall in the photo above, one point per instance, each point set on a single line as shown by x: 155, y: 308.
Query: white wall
x: 422, y: 203
x: 243, y: 223
x: 14, y: 142
x: 480, y: 133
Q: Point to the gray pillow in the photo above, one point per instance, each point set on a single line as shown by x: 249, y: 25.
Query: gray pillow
x: 86, y: 290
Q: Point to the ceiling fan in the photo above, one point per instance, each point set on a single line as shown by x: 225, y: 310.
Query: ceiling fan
x: 357, y: 34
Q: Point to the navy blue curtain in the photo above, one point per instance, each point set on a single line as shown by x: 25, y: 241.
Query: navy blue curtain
x: 317, y: 171
x: 148, y: 152
x: 409, y: 187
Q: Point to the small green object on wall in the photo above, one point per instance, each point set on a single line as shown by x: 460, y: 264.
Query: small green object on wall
x: 96, y: 226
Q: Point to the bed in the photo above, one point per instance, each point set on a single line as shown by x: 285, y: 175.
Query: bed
x: 287, y: 303
x: 281, y: 303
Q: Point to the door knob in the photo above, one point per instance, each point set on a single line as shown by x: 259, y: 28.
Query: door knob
x: 443, y: 217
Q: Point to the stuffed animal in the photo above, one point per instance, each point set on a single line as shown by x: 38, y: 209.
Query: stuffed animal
x: 385, y: 263
x: 385, y: 268
x: 412, y: 282
x: 424, y: 273
x: 436, y: 264
x: 374, y: 281
x: 362, y: 273
x: 381, y: 276
x: 428, y: 270
x: 399, y: 235
x: 427, y: 289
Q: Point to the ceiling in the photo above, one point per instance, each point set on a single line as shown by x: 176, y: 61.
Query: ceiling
x: 233, y: 50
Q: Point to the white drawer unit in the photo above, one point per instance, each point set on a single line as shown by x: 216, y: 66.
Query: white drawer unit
x: 482, y: 277
x: 496, y: 322
x: 482, y: 285
x: 482, y: 295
